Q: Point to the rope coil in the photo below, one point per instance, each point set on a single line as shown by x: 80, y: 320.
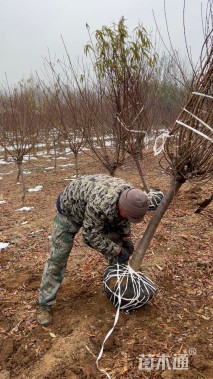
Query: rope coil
x: 126, y: 288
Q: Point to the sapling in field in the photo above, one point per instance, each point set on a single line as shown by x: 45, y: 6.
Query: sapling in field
x: 18, y: 120
x: 123, y: 66
x: 188, y: 155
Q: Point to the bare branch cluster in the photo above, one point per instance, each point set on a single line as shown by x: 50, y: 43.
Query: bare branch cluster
x: 189, y: 148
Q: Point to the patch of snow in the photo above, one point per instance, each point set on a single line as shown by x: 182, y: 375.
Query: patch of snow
x: 27, y: 172
x: 4, y: 162
x: 43, y: 154
x: 6, y: 173
x: 109, y: 143
x: 25, y: 209
x: 24, y: 222
x: 26, y: 158
x: 49, y: 168
x: 68, y: 164
x: 2, y: 201
x: 35, y: 189
x: 52, y: 152
x: 3, y: 245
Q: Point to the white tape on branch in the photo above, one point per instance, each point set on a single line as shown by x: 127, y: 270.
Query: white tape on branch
x: 202, y: 94
x: 160, y: 142
x: 195, y: 130
x: 199, y: 119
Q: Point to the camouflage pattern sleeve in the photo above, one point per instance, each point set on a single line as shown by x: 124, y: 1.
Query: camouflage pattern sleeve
x: 93, y: 233
x: 124, y: 228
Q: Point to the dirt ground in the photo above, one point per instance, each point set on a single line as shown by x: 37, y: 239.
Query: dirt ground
x: 177, y: 323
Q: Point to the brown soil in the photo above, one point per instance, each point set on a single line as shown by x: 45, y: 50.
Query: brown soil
x: 178, y: 321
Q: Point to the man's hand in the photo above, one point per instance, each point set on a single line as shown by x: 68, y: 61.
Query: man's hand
x: 155, y: 196
x: 128, y: 246
x: 122, y: 257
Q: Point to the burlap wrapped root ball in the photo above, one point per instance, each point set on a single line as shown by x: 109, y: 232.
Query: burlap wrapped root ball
x: 126, y: 288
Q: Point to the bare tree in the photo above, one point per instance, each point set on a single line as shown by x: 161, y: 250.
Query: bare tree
x: 66, y: 101
x: 189, y: 147
x: 18, y: 119
x: 122, y: 66
x: 101, y: 129
x: 138, y: 120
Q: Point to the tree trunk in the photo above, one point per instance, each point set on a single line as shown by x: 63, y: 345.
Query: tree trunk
x: 140, y: 171
x: 20, y: 177
x: 47, y: 144
x: 5, y: 155
x: 19, y: 166
x: 144, y: 243
x: 76, y: 164
x: 111, y: 171
x: 55, y: 155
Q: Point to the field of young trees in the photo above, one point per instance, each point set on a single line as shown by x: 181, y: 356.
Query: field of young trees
x: 179, y: 261
x: 129, y: 113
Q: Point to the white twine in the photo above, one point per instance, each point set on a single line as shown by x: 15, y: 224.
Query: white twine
x: 130, y: 130
x: 199, y: 119
x: 146, y: 142
x: 143, y: 289
x: 160, y: 139
x: 195, y: 130
x: 202, y: 94
x: 110, y: 331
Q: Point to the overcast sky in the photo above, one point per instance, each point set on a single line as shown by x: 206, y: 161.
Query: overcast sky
x: 29, y: 28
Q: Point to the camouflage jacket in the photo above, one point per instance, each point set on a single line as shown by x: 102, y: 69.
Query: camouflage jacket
x: 91, y: 201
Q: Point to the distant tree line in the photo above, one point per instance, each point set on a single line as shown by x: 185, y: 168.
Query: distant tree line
x: 126, y: 97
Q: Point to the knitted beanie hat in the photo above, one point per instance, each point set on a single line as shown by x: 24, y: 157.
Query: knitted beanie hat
x: 135, y: 203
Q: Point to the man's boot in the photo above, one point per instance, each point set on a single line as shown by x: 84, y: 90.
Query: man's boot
x: 44, y: 315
